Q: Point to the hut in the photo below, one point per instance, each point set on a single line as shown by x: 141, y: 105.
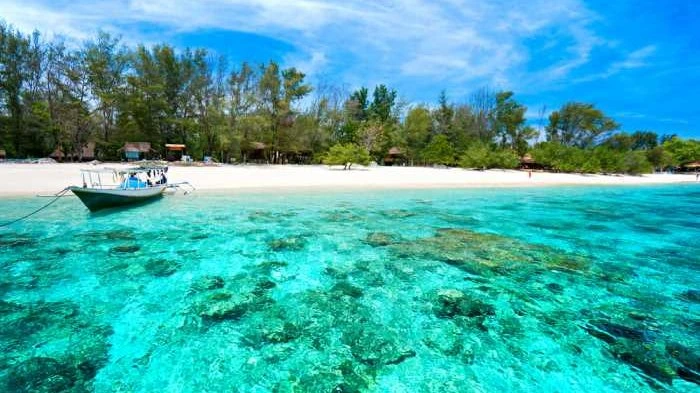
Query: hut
x: 692, y: 166
x: 134, y: 151
x: 255, y: 152
x: 85, y: 153
x: 527, y: 162
x: 174, y: 151
x: 3, y: 155
x: 395, y: 156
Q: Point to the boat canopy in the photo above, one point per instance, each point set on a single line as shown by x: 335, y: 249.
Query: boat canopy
x: 138, y: 169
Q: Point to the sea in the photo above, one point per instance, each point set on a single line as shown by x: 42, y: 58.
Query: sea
x: 542, y: 289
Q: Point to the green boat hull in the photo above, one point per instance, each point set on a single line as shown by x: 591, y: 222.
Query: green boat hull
x: 98, y: 199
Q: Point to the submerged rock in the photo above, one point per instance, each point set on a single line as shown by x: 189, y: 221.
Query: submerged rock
x: 374, y: 347
x: 649, y: 361
x: 268, y: 266
x: 397, y: 213
x: 689, y: 368
x: 281, y: 334
x: 125, y: 249
x: 483, y: 254
x: 689, y: 375
x: 41, y: 374
x: 379, y: 239
x: 622, y: 331
x: 161, y: 267
x: 222, y: 306
x: 347, y: 289
x: 555, y: 288
x: 16, y: 242
x: 452, y: 302
x: 262, y: 287
x: 119, y: 234
x: 691, y: 295
x: 224, y: 310
x: 208, y: 283
x: 47, y: 325
x: 294, y: 243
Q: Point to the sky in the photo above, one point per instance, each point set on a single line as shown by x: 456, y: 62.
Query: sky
x: 637, y: 60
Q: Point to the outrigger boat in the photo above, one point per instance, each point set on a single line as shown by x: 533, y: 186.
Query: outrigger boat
x: 129, y: 186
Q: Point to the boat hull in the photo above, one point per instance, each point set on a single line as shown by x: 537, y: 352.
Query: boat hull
x: 97, y: 199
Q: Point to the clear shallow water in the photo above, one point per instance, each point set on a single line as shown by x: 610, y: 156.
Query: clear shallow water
x: 547, y: 289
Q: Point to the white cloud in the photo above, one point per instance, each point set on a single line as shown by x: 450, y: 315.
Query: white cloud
x: 632, y: 60
x: 453, y: 42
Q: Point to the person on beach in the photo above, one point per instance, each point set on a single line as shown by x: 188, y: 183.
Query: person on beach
x: 529, y: 174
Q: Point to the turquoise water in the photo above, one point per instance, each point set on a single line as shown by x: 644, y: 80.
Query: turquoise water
x: 487, y: 290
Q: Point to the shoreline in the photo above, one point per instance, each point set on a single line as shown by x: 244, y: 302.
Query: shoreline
x: 19, y: 180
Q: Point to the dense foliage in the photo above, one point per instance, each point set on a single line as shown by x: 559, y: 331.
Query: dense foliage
x: 54, y: 98
x: 346, y: 155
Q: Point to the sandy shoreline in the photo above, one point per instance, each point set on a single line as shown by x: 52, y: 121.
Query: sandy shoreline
x: 33, y: 179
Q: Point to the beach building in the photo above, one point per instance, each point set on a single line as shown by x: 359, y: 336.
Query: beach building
x: 527, y: 162
x: 174, y: 151
x: 255, y: 152
x: 134, y: 151
x: 692, y: 166
x: 395, y: 156
x: 2, y: 155
x: 85, y: 153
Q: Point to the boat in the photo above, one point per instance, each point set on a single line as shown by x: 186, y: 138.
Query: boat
x: 127, y: 187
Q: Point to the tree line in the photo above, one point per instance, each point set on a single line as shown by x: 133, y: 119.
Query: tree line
x: 53, y: 96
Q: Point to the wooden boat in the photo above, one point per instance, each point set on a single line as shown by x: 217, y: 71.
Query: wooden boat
x: 133, y: 186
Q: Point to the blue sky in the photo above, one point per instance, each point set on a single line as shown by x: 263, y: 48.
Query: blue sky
x: 639, y: 61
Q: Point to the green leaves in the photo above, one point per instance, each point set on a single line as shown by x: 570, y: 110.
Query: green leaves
x: 480, y: 156
x: 439, y: 151
x: 346, y: 155
x: 579, y: 124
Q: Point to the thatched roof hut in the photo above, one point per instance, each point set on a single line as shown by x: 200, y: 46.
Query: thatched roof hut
x: 527, y: 162
x: 140, y: 147
x: 395, y: 156
x: 256, y: 146
x: 135, y: 150
x: 86, y: 153
x: 395, y: 151
x: 174, y: 147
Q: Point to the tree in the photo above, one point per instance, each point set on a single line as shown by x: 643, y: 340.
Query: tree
x: 439, y: 151
x: 476, y: 156
x: 279, y: 90
x: 358, y: 104
x: 416, y: 129
x: 481, y: 156
x: 346, y: 155
x: 682, y: 150
x: 508, y: 120
x: 659, y: 158
x: 482, y: 104
x: 444, y: 116
x: 579, y: 124
x: 644, y: 140
x: 620, y: 141
x: 14, y: 49
x: 382, y: 106
x: 106, y: 62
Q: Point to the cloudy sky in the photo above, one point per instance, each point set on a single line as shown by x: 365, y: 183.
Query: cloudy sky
x: 637, y: 60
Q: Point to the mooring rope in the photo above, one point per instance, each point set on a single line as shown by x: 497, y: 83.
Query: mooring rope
x: 57, y: 197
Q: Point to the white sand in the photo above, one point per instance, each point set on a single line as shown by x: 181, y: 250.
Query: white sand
x: 32, y: 179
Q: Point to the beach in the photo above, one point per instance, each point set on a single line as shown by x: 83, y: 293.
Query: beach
x: 32, y: 179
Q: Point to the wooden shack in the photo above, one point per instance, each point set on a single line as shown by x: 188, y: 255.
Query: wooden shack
x: 134, y: 151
